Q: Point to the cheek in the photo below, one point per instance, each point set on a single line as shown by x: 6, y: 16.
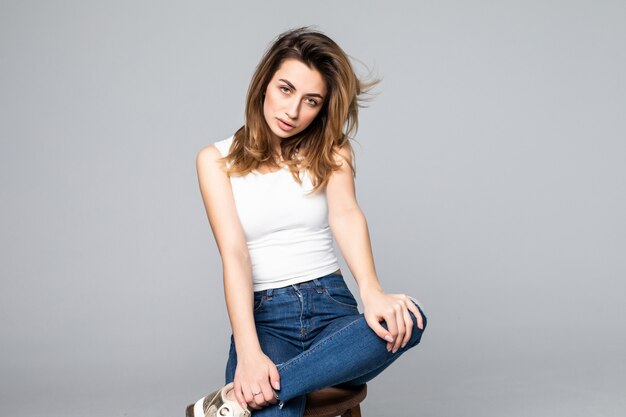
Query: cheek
x: 268, y: 105
x: 311, y: 115
x: 272, y: 98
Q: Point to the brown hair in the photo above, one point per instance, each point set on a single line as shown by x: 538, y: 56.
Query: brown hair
x: 331, y: 129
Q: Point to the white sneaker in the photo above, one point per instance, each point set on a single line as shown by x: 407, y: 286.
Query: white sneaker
x: 217, y: 405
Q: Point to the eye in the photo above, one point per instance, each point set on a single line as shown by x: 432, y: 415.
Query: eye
x: 312, y: 102
x: 284, y: 89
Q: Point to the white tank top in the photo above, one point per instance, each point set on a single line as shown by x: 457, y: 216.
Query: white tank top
x: 287, y: 232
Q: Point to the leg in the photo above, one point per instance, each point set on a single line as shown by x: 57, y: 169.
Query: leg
x: 277, y: 320
x: 346, y: 351
x: 372, y: 374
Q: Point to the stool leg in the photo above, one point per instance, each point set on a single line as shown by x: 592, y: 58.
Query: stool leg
x: 353, y: 412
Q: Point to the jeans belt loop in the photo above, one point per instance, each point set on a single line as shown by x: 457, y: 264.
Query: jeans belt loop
x: 318, y: 286
x: 269, y: 293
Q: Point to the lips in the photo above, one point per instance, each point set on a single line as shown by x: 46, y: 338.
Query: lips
x: 284, y: 125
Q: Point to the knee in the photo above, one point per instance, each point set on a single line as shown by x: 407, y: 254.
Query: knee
x: 416, y: 334
x: 424, y: 319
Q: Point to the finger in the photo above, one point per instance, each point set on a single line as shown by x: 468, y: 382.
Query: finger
x: 259, y: 396
x: 267, y: 394
x: 379, y: 329
x: 238, y: 394
x: 275, y: 380
x: 392, y: 325
x: 418, y: 315
x: 401, y: 329
x: 408, y: 325
x: 247, y: 394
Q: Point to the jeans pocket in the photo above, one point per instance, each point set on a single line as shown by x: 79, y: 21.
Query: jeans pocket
x: 259, y: 301
x: 341, y: 295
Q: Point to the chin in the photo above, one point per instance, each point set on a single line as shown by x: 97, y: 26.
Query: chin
x: 284, y: 135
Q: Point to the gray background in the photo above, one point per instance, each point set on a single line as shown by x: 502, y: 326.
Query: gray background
x: 490, y: 169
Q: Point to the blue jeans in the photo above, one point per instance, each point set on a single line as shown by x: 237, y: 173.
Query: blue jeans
x: 317, y: 338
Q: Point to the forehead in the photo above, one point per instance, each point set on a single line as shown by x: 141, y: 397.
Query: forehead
x: 306, y: 80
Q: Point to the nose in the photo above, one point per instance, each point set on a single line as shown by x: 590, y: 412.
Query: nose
x: 293, y: 108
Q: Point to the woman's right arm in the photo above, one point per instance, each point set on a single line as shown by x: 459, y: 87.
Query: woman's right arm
x: 254, y: 368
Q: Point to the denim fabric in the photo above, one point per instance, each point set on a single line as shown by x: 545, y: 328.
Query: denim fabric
x: 317, y: 338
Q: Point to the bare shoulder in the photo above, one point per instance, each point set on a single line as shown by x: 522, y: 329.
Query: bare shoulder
x: 208, y: 154
x: 209, y: 163
x: 343, y: 155
x: 340, y: 190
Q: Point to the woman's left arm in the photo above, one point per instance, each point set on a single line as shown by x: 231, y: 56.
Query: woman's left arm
x: 349, y: 227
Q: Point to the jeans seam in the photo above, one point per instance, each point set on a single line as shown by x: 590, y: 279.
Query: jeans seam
x: 338, y: 302
x: 322, y: 342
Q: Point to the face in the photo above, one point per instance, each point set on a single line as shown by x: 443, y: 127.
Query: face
x: 293, y: 98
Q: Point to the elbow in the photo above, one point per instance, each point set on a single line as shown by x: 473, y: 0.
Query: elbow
x: 235, y: 254
x: 338, y: 217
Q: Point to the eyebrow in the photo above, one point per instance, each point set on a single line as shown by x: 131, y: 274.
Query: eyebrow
x: 293, y: 87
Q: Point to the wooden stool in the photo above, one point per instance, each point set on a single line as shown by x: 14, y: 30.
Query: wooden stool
x: 335, y: 401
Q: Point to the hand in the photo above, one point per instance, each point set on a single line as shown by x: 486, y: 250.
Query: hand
x: 394, y: 310
x: 253, y: 374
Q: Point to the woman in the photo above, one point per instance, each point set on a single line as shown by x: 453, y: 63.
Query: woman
x: 274, y: 192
